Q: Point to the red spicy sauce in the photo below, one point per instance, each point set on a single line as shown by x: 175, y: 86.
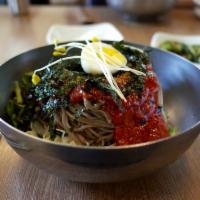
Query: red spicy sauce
x: 139, y: 121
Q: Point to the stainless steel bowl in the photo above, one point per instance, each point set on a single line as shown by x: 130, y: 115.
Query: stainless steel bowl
x: 180, y: 82
x: 142, y: 9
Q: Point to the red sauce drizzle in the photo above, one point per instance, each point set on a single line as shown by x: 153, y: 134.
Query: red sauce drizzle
x: 140, y: 121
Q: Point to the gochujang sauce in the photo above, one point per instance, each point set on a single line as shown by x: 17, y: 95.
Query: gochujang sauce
x: 138, y: 119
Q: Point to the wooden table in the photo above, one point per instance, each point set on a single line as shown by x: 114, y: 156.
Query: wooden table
x: 20, y: 180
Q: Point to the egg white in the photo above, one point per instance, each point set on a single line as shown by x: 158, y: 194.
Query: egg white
x: 91, y: 61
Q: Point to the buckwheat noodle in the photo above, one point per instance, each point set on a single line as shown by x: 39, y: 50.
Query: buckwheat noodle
x: 92, y: 128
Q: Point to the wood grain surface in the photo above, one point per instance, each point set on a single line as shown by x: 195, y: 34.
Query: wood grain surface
x: 20, y: 180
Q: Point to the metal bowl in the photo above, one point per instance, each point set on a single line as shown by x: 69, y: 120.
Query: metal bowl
x: 142, y: 10
x: 180, y: 82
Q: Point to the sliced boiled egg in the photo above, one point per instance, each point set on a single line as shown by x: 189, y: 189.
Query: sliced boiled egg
x: 96, y: 53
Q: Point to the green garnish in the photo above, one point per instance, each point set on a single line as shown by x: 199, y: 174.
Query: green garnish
x: 172, y: 131
x: 18, y: 93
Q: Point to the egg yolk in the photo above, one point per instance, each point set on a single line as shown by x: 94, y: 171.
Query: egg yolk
x: 114, y: 55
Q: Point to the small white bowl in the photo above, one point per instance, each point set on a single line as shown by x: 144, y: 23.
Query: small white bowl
x: 160, y: 37
x: 65, y: 33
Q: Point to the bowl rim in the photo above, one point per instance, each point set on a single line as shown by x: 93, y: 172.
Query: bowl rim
x: 78, y: 147
x: 101, y: 148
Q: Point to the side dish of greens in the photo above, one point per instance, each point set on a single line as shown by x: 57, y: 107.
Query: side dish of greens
x: 191, y: 52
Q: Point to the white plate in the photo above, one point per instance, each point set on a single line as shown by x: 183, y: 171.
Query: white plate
x: 160, y: 37
x: 64, y: 33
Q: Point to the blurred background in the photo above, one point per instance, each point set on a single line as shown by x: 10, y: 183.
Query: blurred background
x: 89, y: 2
x: 137, y: 10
